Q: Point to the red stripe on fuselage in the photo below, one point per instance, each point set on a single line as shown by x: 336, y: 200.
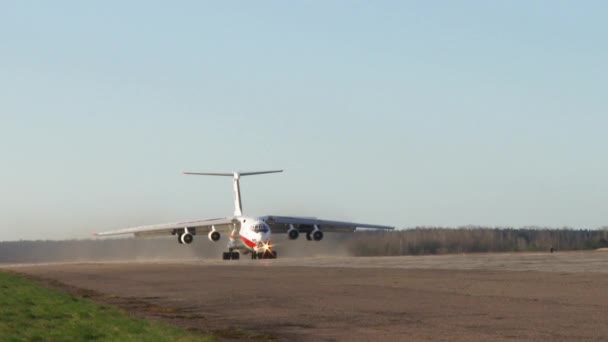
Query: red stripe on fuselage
x: 247, y: 241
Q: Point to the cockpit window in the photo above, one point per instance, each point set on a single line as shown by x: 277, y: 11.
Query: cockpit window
x: 260, y: 229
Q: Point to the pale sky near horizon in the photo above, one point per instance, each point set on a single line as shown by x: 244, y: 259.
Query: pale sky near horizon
x: 402, y: 113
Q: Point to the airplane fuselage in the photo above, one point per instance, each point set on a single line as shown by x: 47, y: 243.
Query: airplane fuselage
x: 251, y: 235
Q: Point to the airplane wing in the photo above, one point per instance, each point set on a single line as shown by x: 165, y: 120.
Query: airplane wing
x: 281, y: 224
x: 199, y: 226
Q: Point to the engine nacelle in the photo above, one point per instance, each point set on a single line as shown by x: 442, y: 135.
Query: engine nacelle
x: 293, y: 234
x: 317, y: 235
x: 186, y: 238
x: 214, y: 235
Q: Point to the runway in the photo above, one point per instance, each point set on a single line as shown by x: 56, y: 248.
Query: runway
x: 560, y: 296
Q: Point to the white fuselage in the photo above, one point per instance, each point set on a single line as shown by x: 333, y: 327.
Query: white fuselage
x: 251, y: 235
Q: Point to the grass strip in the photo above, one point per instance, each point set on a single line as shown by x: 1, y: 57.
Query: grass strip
x: 30, y: 312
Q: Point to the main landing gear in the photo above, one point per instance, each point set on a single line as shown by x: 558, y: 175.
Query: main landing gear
x: 231, y: 256
x: 264, y: 255
x: 254, y: 255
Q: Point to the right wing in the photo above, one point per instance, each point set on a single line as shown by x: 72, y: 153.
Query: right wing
x: 282, y: 224
x: 199, y: 226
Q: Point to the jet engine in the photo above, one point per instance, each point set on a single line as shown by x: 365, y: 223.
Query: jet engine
x: 317, y: 235
x: 214, y: 235
x: 186, y: 238
x: 293, y: 234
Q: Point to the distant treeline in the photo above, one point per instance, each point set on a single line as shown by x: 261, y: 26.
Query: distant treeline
x: 439, y: 240
x: 416, y: 241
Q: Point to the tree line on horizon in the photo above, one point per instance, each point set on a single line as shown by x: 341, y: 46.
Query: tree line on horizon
x: 443, y: 240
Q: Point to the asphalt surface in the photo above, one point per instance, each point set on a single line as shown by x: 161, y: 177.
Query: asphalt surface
x: 490, y: 297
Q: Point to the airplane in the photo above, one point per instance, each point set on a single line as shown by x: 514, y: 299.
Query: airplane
x: 246, y: 234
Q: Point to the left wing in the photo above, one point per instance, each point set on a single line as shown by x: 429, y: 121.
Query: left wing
x: 199, y: 226
x: 281, y: 224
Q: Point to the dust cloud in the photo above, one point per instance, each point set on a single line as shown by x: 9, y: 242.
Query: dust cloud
x: 331, y: 245
x: 129, y: 249
x: 155, y: 249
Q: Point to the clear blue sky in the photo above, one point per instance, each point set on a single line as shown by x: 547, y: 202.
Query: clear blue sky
x: 392, y: 112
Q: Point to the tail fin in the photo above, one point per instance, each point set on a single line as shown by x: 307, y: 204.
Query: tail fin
x: 238, y: 207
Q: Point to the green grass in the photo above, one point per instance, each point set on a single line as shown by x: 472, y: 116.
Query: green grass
x: 30, y: 312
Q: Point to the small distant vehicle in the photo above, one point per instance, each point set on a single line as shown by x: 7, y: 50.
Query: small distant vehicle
x: 246, y: 234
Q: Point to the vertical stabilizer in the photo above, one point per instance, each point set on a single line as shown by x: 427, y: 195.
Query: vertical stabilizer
x: 236, y: 176
x: 238, y: 205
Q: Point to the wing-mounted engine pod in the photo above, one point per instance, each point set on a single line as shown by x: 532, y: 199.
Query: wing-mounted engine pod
x: 214, y: 235
x: 317, y: 234
x: 186, y: 238
x: 292, y: 233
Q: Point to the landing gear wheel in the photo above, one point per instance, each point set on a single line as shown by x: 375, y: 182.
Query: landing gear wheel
x: 226, y: 255
x: 254, y: 255
x: 235, y: 255
x: 308, y: 237
x: 266, y: 255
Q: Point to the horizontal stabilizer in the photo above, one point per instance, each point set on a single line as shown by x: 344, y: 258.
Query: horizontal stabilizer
x: 231, y: 174
x: 238, y: 206
x: 209, y: 173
